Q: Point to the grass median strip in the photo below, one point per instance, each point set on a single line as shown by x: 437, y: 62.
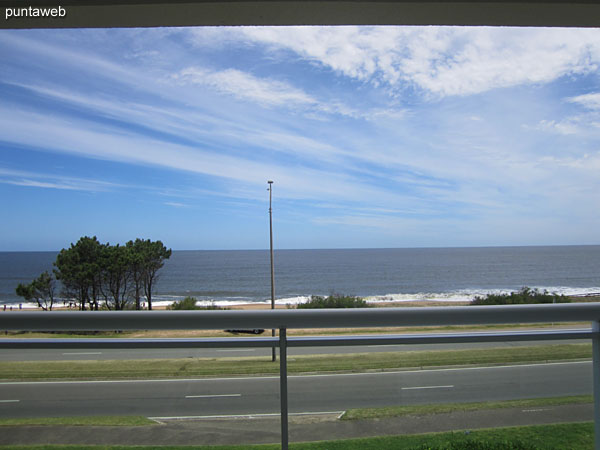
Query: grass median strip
x: 421, y: 410
x: 124, y: 421
x: 146, y: 334
x: 358, y: 362
x: 351, y: 414
x: 575, y: 436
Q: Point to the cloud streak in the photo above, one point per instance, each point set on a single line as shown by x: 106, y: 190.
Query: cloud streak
x: 49, y: 181
x: 245, y: 86
x: 441, y: 61
x: 92, y: 141
x: 589, y: 101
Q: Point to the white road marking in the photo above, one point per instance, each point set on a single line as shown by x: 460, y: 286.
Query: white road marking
x: 427, y: 387
x: 83, y: 353
x: 536, y: 410
x: 244, y: 416
x: 213, y: 396
x: 239, y: 350
x: 10, y: 401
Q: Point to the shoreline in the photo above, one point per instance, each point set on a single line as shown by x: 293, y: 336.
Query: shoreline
x: 296, y: 332
x: 265, y: 306
x: 259, y: 306
x: 389, y: 300
x: 379, y: 304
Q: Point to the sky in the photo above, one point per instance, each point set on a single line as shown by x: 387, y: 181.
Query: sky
x: 374, y: 137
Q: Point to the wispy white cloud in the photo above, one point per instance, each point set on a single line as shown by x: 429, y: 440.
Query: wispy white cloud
x: 271, y: 92
x: 105, y: 143
x: 195, y: 124
x: 41, y: 184
x: 245, y: 86
x: 176, y: 204
x: 441, y: 61
x: 588, y: 162
x: 589, y: 101
x: 584, y: 123
x: 50, y: 181
x: 566, y: 127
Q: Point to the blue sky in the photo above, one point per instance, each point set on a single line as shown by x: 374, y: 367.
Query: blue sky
x: 374, y: 136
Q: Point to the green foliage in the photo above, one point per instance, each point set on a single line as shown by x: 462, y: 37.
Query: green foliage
x: 78, y: 269
x: 325, y: 363
x: 571, y: 436
x: 147, y: 258
x: 189, y: 303
x: 117, y: 277
x: 92, y: 272
x: 334, y: 301
x: 80, y: 421
x: 524, y: 296
x: 476, y: 444
x: 41, y: 290
x: 462, y: 407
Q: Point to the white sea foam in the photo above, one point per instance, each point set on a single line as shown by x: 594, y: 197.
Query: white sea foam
x: 464, y: 295
x: 467, y: 295
x: 164, y: 301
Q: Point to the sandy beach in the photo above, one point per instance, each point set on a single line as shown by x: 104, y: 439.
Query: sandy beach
x: 264, y: 306
x: 255, y: 306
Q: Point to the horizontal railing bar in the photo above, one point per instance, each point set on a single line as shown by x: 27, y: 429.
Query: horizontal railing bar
x: 317, y: 341
x: 74, y: 343
x: 295, y: 318
x: 441, y: 338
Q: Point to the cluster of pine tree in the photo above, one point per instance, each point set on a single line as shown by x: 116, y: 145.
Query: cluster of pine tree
x: 93, y: 275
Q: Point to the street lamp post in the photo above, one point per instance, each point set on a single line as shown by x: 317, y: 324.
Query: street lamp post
x: 274, y: 356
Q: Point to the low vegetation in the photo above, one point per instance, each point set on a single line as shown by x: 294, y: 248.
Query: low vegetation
x: 190, y: 303
x: 572, y: 436
x: 186, y: 367
x: 477, y: 444
x: 80, y: 421
x: 521, y: 297
x: 334, y: 301
x: 441, y: 408
x: 351, y: 414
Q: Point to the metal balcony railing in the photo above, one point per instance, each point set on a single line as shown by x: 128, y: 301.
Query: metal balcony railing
x: 291, y: 319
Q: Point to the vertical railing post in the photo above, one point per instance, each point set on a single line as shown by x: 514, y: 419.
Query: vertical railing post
x: 596, y: 369
x: 283, y: 390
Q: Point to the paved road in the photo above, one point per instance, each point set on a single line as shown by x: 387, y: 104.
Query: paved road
x: 129, y: 354
x: 260, y: 395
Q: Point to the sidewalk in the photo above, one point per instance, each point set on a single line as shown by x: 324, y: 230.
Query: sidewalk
x: 302, y: 428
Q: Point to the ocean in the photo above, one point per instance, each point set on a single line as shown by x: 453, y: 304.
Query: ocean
x: 441, y: 274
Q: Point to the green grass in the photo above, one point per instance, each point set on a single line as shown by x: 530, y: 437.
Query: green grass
x: 576, y: 436
x: 420, y: 410
x: 351, y: 414
x: 291, y: 332
x: 358, y: 362
x: 125, y: 421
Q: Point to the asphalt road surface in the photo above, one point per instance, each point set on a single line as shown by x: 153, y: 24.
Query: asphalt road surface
x: 318, y: 393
